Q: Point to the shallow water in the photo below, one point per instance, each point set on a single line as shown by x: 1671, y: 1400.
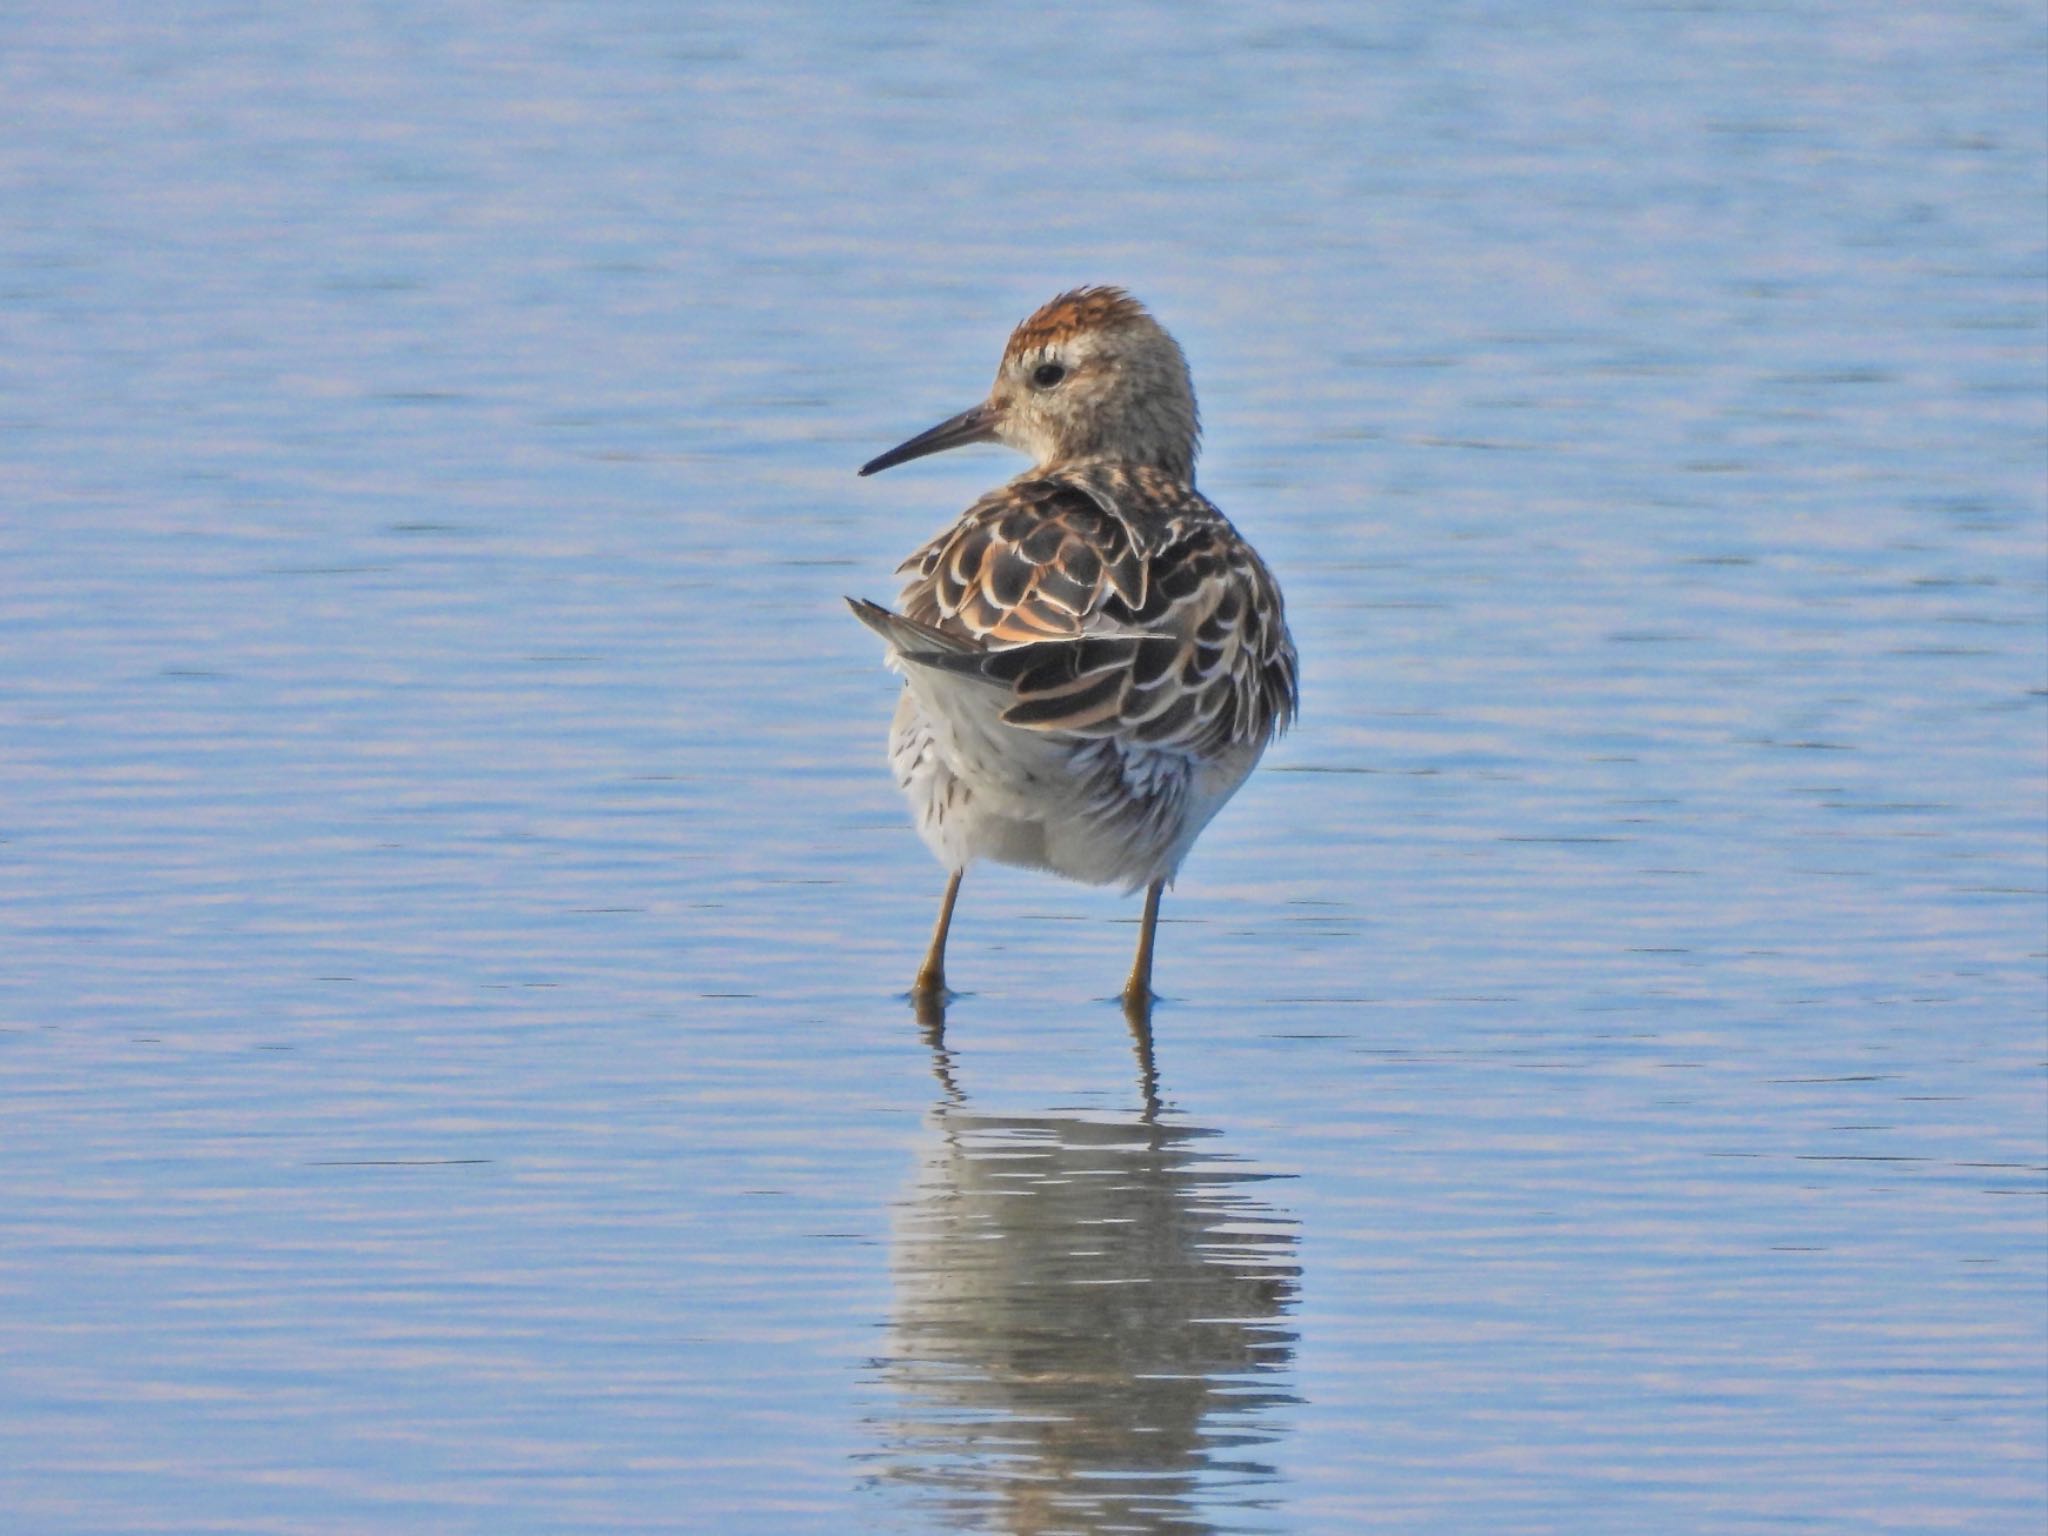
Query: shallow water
x: 455, y: 912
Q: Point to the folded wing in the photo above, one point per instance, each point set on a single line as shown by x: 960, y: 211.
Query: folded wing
x: 1168, y: 634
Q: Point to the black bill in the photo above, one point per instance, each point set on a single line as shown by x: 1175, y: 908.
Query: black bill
x: 971, y: 426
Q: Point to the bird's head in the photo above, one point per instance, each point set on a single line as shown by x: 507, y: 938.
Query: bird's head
x: 1091, y: 375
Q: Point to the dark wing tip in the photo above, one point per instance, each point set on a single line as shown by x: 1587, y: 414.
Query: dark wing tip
x: 961, y: 663
x: 874, y: 615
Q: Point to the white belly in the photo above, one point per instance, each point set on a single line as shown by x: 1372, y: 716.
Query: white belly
x: 1095, y: 811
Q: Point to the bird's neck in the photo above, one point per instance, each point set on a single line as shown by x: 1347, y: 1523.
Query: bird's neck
x: 1179, y: 464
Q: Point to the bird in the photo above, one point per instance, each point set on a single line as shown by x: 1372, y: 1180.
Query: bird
x: 1093, y: 658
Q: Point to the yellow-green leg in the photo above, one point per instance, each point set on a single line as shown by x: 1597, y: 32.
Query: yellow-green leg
x: 931, y: 977
x: 1138, y: 990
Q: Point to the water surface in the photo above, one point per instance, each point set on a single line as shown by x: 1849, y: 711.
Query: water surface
x: 456, y: 913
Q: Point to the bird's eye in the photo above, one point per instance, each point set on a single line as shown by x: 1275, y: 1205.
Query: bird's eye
x: 1045, y: 375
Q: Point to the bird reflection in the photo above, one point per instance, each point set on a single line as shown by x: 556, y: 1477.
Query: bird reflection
x: 1090, y: 1331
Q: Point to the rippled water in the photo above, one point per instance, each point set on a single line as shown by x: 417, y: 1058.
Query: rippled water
x: 455, y: 914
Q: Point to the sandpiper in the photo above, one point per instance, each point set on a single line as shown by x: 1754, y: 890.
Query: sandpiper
x: 1093, y: 658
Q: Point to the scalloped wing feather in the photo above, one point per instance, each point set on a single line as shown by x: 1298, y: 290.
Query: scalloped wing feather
x: 1163, y: 629
x: 1031, y: 561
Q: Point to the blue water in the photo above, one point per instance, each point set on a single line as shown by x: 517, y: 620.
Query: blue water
x: 455, y: 912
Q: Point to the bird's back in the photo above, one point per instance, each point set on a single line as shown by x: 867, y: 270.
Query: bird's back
x: 1114, y: 602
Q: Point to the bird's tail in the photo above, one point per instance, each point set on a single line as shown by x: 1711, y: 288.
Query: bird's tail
x: 908, y: 638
